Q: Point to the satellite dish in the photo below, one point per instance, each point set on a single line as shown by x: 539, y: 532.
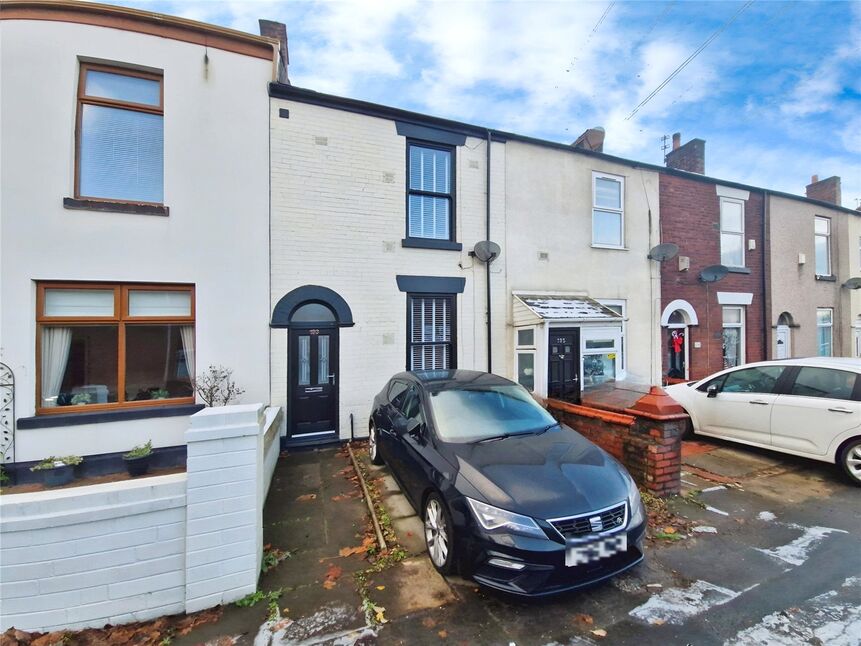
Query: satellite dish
x: 853, y: 283
x: 486, y: 250
x: 663, y: 252
x: 713, y: 273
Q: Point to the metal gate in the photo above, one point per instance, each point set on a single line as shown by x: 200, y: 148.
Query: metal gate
x: 7, y: 414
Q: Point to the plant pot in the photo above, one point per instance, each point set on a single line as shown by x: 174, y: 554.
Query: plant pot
x: 59, y: 476
x: 137, y: 466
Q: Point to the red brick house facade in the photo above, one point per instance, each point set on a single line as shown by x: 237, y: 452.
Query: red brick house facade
x: 709, y: 326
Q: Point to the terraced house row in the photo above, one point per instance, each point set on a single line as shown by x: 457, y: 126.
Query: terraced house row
x: 170, y: 202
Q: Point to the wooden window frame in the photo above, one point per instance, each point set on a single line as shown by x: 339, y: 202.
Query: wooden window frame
x: 450, y: 196
x: 121, y: 319
x: 452, y: 298
x: 83, y: 99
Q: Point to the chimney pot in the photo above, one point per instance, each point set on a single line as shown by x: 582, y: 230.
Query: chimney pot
x: 677, y: 140
x: 814, y: 179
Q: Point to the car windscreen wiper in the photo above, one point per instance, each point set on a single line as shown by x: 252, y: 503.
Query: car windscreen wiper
x: 502, y: 436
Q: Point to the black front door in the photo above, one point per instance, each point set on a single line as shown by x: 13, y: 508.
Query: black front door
x: 563, y: 370
x: 313, y: 383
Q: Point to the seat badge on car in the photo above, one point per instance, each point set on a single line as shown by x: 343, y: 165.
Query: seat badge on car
x: 596, y: 523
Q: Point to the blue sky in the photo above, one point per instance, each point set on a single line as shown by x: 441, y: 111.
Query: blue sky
x: 776, y: 96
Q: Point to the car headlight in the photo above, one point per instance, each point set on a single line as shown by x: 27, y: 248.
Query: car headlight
x: 500, y: 521
x: 635, y: 504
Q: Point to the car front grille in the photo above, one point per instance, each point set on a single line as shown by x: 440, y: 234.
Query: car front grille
x: 605, y: 520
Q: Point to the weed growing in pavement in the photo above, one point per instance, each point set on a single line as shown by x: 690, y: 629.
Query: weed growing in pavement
x: 254, y: 598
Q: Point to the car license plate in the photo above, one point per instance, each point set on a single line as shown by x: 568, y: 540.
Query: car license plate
x: 583, y: 553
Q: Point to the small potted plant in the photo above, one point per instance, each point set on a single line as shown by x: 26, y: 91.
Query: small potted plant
x: 159, y: 393
x: 58, y: 471
x: 137, y: 460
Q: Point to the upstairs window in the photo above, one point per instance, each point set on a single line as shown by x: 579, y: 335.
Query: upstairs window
x: 120, y: 135
x: 822, y: 245
x: 608, y: 211
x: 731, y: 232
x: 430, y: 211
x: 430, y: 332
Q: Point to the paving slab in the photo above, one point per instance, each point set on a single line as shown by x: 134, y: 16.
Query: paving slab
x: 389, y: 485
x: 410, y: 533
x: 411, y: 586
x: 730, y: 462
x: 398, y: 506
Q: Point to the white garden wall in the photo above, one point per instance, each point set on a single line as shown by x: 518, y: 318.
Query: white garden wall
x: 134, y: 550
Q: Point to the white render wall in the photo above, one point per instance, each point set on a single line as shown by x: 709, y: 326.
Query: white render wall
x: 138, y: 549
x: 338, y: 218
x: 549, y: 210
x: 216, y: 184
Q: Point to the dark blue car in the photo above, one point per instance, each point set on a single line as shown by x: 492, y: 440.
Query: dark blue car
x: 508, y: 496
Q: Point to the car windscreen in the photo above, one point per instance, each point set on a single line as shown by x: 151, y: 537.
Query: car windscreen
x: 469, y: 414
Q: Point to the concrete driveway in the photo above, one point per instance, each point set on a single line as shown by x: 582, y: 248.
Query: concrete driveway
x: 773, y: 556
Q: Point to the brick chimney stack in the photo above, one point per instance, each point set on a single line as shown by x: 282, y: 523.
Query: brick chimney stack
x: 690, y: 157
x: 592, y: 139
x: 278, y: 31
x: 825, y: 190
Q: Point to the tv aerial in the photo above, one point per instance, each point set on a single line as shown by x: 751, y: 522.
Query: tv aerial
x: 662, y: 252
x: 713, y: 273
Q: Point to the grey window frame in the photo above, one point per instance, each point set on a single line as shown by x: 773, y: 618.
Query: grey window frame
x: 451, y: 196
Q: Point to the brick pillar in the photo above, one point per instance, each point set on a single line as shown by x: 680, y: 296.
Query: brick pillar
x: 224, y: 529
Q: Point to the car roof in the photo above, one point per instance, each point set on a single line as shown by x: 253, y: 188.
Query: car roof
x: 442, y: 379
x: 846, y: 363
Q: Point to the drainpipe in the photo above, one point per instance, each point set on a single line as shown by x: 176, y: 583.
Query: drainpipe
x: 766, y: 297
x: 487, y: 264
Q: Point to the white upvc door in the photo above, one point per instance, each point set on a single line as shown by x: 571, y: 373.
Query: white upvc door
x: 784, y: 342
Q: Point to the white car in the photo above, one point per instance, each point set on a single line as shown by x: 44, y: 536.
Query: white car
x: 807, y: 407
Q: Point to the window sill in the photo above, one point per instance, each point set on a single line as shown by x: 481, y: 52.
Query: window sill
x: 430, y: 243
x: 738, y: 270
x: 827, y: 279
x: 609, y: 246
x: 105, y: 416
x: 108, y: 206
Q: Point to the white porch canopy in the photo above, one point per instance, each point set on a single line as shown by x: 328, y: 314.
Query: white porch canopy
x: 530, y: 309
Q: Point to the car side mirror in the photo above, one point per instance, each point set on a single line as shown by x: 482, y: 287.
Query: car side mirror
x: 712, y: 391
x: 410, y: 426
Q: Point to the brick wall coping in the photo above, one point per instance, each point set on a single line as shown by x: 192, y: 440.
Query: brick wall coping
x: 596, y: 413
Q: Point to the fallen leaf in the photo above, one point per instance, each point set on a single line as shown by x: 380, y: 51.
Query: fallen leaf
x: 329, y: 584
x: 600, y: 632
x: 306, y: 497
x: 268, y: 546
x: 658, y: 622
x: 381, y: 587
x: 379, y: 614
x: 349, y: 551
x: 428, y: 622
x: 586, y: 619
x: 442, y: 634
x: 333, y: 572
x: 669, y: 530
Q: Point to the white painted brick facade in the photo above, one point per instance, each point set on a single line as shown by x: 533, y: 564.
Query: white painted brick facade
x: 338, y: 218
x: 138, y: 549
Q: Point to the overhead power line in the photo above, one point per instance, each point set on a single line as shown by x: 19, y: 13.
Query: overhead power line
x: 685, y: 63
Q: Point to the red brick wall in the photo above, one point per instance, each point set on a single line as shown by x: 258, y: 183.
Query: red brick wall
x: 690, y: 217
x: 650, y: 449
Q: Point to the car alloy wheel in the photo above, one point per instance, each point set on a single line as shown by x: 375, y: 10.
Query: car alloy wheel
x: 373, y: 446
x: 851, y: 461
x: 438, y: 533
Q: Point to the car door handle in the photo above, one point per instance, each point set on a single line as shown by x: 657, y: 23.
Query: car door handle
x: 841, y: 410
x: 759, y: 402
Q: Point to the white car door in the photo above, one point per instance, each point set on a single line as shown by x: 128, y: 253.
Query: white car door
x: 818, y: 406
x: 742, y: 408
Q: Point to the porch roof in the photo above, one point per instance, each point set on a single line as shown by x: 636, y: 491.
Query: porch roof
x: 564, y: 307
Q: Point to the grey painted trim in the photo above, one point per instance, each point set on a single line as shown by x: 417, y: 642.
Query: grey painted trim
x: 738, y: 270
x: 435, y: 135
x: 109, y: 206
x: 430, y: 243
x: 827, y: 279
x: 284, y: 113
x: 293, y: 93
x: 430, y: 284
x: 105, y: 416
x: 313, y: 294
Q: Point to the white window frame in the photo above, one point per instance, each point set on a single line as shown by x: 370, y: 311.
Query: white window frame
x: 526, y: 349
x: 596, y: 175
x: 742, y: 325
x: 829, y: 326
x: 827, y: 237
x: 740, y: 234
x: 588, y: 333
x: 623, y: 304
